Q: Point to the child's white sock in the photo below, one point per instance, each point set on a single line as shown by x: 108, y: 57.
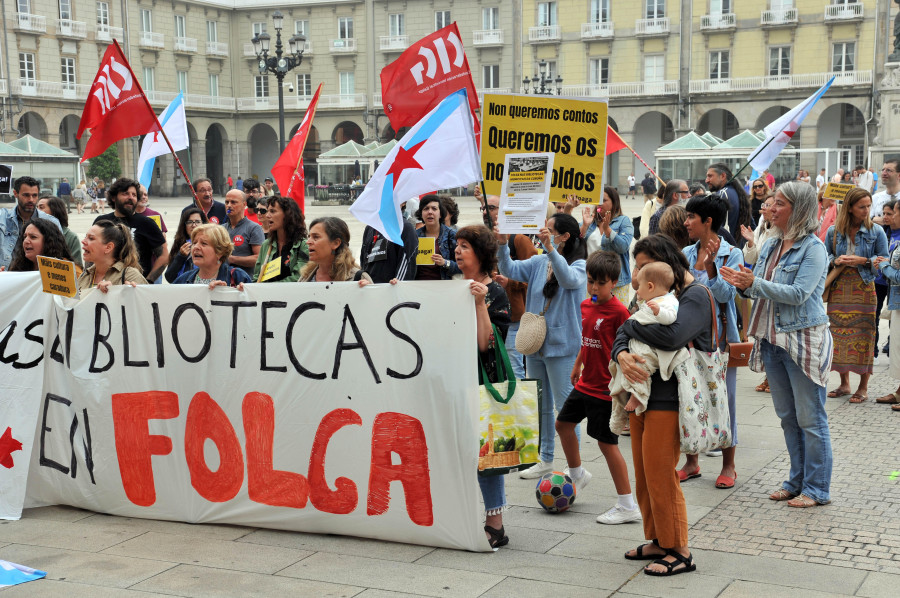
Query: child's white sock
x: 626, y: 501
x: 576, y: 472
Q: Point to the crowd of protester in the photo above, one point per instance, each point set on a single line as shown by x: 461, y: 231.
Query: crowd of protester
x: 755, y: 264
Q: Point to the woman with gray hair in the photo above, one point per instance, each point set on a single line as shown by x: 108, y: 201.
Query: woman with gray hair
x: 793, y: 343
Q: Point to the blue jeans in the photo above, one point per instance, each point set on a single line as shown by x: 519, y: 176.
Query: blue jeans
x: 554, y: 374
x: 493, y: 492
x: 516, y: 359
x: 800, y: 403
x: 731, y: 387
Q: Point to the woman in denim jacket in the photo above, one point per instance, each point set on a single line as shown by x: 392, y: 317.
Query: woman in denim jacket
x: 604, y: 227
x: 433, y: 213
x: 557, y: 284
x: 890, y: 268
x: 793, y: 344
x: 852, y: 243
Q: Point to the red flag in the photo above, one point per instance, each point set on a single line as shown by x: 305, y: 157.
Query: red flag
x: 288, y: 170
x: 614, y: 143
x: 426, y: 73
x: 116, y: 106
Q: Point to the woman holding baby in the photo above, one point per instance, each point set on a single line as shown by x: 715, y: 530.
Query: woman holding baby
x: 655, y: 435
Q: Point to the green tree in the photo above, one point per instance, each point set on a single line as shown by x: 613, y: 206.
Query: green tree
x: 106, y: 165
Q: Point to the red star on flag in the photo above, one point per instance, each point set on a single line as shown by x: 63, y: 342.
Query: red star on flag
x: 405, y: 159
x: 8, y: 445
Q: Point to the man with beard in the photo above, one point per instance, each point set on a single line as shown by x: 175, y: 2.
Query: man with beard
x: 150, y: 242
x: 215, y: 210
x: 26, y: 191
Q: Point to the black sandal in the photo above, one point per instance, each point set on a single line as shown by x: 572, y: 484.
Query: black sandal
x: 640, y: 556
x: 688, y: 563
x: 498, y: 537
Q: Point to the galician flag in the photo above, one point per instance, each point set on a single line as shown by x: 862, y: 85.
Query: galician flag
x: 12, y: 574
x: 437, y: 153
x: 780, y: 132
x: 174, y: 123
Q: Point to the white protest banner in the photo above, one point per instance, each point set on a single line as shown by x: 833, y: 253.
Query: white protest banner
x: 312, y: 407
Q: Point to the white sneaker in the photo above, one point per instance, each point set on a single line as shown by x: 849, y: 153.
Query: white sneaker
x: 617, y: 515
x: 536, y: 471
x: 714, y: 453
x: 581, y: 482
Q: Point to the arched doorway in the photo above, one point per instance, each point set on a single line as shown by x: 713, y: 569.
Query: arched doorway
x: 215, y: 142
x: 32, y: 124
x: 720, y: 122
x: 189, y: 162
x: 67, y: 130
x: 651, y: 131
x: 841, y: 126
x: 263, y: 150
x: 388, y: 133
x: 346, y: 131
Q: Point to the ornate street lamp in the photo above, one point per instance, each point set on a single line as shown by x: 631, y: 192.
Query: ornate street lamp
x: 280, y: 64
x: 542, y: 83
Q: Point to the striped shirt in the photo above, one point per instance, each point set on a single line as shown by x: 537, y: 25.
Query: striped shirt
x: 810, y: 348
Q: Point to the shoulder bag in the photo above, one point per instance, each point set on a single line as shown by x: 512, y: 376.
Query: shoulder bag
x: 533, y: 327
x: 833, y: 274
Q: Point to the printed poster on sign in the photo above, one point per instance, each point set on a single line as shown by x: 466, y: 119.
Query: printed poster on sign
x: 574, y: 130
x: 5, y: 179
x: 524, y: 193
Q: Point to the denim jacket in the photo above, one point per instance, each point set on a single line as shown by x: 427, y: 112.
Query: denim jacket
x: 9, y: 231
x: 870, y: 243
x: 797, y: 283
x: 619, y: 242
x: 891, y: 271
x: 722, y: 291
x: 445, y: 244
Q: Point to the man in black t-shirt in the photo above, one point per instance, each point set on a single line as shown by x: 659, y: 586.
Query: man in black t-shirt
x: 150, y: 242
x: 383, y: 260
x: 215, y: 210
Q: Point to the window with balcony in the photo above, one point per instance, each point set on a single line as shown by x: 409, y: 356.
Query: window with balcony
x: 490, y: 18
x: 212, y: 31
x: 67, y: 70
x: 180, y: 26
x: 149, y: 78
x: 103, y: 13
x: 26, y: 66
x: 146, y: 20
x: 655, y: 9
x: 441, y: 19
x: 843, y: 57
x: 345, y: 27
x: 347, y: 83
x: 490, y: 76
x: 301, y: 27
x: 65, y: 10
x: 782, y: 4
x: 261, y: 86
x: 214, y: 85
x: 397, y: 24
x: 654, y: 68
x: 23, y: 7
x: 779, y: 61
x: 547, y: 14
x: 720, y: 7
x: 599, y: 11
x: 598, y: 71
x: 719, y: 65
x: 258, y: 27
x: 182, y: 81
x: 304, y: 85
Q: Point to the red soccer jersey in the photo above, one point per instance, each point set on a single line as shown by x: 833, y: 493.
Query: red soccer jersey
x: 599, y: 324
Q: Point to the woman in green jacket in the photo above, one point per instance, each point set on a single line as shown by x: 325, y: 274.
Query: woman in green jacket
x: 284, y: 252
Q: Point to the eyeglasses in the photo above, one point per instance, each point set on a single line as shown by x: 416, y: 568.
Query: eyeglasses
x: 684, y: 192
x: 491, y: 208
x: 262, y: 211
x: 194, y: 222
x: 757, y: 186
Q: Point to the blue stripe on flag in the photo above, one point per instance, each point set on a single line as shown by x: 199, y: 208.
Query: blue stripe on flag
x: 170, y: 109
x: 388, y: 211
x: 447, y: 106
x: 145, y: 176
x: 12, y: 574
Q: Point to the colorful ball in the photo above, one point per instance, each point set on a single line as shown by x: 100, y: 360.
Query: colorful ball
x: 555, y: 492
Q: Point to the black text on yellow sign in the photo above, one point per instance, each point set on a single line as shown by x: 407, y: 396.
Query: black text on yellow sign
x: 57, y: 276
x: 574, y: 130
x: 837, y: 191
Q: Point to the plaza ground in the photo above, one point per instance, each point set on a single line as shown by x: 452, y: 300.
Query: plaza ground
x: 744, y: 545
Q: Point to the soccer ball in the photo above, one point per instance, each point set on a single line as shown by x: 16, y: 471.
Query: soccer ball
x: 555, y: 492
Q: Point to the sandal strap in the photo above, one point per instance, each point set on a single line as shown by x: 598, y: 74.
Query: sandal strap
x: 680, y: 558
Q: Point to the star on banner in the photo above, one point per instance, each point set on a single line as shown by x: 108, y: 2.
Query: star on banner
x: 405, y: 159
x: 8, y: 445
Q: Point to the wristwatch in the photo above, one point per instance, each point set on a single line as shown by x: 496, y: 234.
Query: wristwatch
x: 868, y: 263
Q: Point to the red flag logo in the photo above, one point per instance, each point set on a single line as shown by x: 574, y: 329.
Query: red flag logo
x: 116, y: 106
x: 426, y: 73
x: 288, y: 170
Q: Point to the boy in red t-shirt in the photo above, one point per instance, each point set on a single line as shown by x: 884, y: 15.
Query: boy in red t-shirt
x: 601, y: 316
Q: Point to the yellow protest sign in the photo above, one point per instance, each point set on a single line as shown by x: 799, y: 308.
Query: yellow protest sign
x: 837, y: 191
x: 573, y: 129
x: 426, y: 250
x: 271, y: 270
x: 157, y: 220
x: 57, y: 276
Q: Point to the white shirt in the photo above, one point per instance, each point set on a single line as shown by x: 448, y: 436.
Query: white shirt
x: 820, y: 180
x: 631, y: 181
x: 865, y: 181
x: 878, y: 201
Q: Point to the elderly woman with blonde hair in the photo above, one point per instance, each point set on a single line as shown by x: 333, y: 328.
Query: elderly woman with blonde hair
x: 210, y: 248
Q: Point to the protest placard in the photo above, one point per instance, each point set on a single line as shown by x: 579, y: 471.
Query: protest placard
x: 186, y: 404
x: 572, y: 129
x: 837, y: 191
x: 58, y: 276
x: 425, y: 251
x: 6, y: 171
x: 524, y: 193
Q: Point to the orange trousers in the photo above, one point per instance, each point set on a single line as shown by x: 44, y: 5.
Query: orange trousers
x: 656, y: 448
